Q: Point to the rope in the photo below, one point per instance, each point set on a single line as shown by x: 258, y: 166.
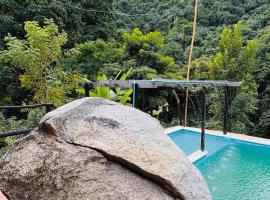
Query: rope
x: 106, y: 12
x: 114, y: 13
x: 190, y: 57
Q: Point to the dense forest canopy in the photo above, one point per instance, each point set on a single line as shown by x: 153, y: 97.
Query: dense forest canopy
x: 48, y: 46
x: 75, y: 17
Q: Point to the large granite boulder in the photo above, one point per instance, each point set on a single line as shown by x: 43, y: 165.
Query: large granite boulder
x: 97, y: 149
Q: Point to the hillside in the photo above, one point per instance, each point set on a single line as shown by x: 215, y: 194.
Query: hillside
x: 174, y: 20
x: 48, y: 46
x: 175, y: 17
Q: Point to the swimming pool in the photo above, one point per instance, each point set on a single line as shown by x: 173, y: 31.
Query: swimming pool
x: 233, y: 169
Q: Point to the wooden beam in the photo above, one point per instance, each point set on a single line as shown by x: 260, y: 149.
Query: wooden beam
x: 162, y: 83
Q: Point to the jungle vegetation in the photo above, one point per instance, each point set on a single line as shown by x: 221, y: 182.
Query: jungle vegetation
x: 48, y: 46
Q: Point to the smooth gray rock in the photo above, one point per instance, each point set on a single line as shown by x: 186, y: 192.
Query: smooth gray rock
x: 97, y: 149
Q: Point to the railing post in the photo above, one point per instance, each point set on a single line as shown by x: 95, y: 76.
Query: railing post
x: 135, y: 95
x: 225, y: 115
x: 49, y: 107
x: 87, y: 88
x: 203, y: 110
x: 142, y: 99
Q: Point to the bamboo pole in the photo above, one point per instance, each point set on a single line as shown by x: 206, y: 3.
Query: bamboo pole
x: 190, y: 58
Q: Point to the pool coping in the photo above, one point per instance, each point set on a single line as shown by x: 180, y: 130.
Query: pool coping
x: 197, y: 155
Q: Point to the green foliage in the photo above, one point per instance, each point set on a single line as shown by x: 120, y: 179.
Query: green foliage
x: 117, y: 94
x: 103, y: 92
x: 9, y: 76
x: 235, y: 61
x: 76, y: 17
x: 173, y: 18
x: 263, y: 127
x: 232, y: 43
x: 91, y: 57
x: 262, y: 77
x: 36, y: 57
x: 146, y: 51
x: 200, y: 68
x: 157, y: 112
x: 174, y: 45
x: 13, y: 124
x: 143, y: 52
x: 137, y: 40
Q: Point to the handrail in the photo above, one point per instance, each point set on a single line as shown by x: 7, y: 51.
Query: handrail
x: 14, y: 133
x: 49, y: 107
x: 25, y: 106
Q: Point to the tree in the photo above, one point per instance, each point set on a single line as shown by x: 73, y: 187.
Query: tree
x: 235, y: 61
x: 91, y: 57
x: 147, y: 51
x: 37, y: 56
x: 9, y: 77
x: 263, y: 127
x: 82, y: 20
x: 142, y: 52
x: 262, y: 77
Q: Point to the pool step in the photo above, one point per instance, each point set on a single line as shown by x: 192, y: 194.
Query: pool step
x: 197, y: 155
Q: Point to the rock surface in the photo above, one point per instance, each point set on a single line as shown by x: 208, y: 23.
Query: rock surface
x: 97, y: 149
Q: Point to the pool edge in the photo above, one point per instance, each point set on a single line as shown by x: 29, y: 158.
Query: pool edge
x: 198, y: 156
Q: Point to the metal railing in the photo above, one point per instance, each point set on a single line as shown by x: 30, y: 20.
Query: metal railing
x: 48, y: 106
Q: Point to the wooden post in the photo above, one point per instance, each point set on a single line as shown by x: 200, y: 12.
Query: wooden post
x: 135, y: 95
x: 190, y: 58
x: 203, y: 109
x: 225, y: 115
x: 229, y: 106
x: 180, y: 114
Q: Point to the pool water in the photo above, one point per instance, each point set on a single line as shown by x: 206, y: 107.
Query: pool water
x: 190, y: 141
x: 235, y: 170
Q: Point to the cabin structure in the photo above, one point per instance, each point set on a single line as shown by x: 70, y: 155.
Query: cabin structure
x: 204, y: 86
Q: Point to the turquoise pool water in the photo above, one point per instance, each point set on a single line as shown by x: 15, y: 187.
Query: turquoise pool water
x: 190, y: 141
x: 235, y: 170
